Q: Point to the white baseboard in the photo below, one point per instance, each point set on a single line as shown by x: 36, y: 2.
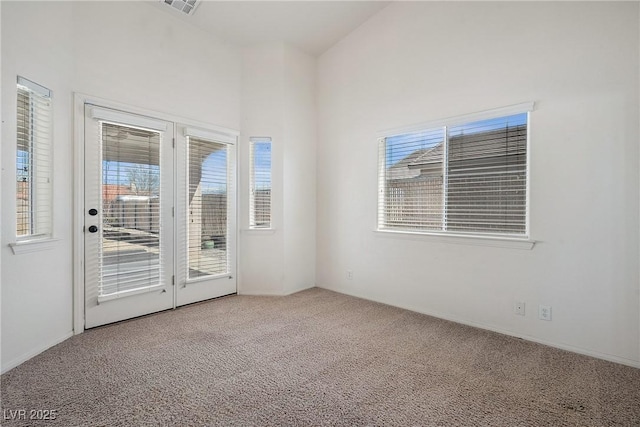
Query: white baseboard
x: 274, y: 293
x: 300, y: 289
x: 604, y: 356
x: 20, y: 360
x: 265, y: 293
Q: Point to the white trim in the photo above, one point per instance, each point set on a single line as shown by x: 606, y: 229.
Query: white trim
x: 300, y: 289
x: 175, y: 216
x: 510, y: 110
x: 240, y: 194
x: 211, y: 135
x: 235, y: 269
x: 207, y: 278
x: 527, y: 196
x: 258, y: 231
x: 274, y: 293
x: 21, y: 359
x: 78, y: 214
x: 121, y: 117
x: 561, y: 346
x: 36, y: 245
x: 159, y: 115
x: 460, y: 239
x: 34, y: 87
x: 268, y: 293
x: 124, y: 294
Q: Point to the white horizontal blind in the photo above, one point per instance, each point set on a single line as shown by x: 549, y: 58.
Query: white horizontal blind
x: 467, y: 178
x: 34, y: 162
x: 260, y: 182
x: 487, y: 176
x: 412, y: 186
x: 130, y: 249
x: 208, y: 198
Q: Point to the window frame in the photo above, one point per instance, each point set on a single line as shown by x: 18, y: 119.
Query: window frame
x: 39, y: 230
x: 252, y: 199
x: 521, y: 241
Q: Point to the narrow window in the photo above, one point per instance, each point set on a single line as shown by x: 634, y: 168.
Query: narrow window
x: 260, y: 177
x: 467, y: 178
x: 34, y: 210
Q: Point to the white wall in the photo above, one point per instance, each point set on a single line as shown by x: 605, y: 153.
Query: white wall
x: 0, y: 188
x: 261, y: 252
x: 420, y: 61
x: 278, y: 101
x: 299, y: 167
x: 36, y: 287
x: 127, y: 52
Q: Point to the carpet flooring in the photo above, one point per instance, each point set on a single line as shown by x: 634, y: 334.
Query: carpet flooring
x: 313, y: 358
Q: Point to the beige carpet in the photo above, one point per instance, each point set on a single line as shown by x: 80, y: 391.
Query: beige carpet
x: 314, y: 358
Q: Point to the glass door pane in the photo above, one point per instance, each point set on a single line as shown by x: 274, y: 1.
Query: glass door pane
x: 207, y: 208
x: 130, y: 257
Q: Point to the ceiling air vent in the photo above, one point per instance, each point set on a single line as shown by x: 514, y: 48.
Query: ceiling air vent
x: 184, y: 6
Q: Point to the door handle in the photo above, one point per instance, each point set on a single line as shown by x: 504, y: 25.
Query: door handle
x: 93, y: 229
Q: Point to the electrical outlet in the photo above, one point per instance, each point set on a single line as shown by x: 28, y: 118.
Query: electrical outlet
x: 518, y: 308
x: 544, y: 312
x: 350, y: 274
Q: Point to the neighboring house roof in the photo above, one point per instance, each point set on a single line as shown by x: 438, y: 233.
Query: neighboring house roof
x: 431, y: 156
x: 411, y: 166
x: 111, y: 191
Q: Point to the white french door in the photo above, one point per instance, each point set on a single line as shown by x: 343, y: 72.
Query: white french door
x: 155, y: 211
x: 206, y: 214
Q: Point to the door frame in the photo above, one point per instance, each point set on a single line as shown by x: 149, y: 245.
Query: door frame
x: 79, y: 100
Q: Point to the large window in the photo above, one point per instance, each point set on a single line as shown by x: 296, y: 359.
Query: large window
x: 260, y: 177
x: 467, y: 177
x: 33, y: 161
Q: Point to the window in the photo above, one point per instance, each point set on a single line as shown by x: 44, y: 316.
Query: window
x: 33, y: 161
x: 260, y: 177
x: 464, y: 177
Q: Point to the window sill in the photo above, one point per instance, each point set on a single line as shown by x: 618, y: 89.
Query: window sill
x: 461, y: 239
x: 36, y: 245
x: 258, y: 231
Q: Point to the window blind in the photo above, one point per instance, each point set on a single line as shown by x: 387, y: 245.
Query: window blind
x: 487, y: 176
x: 208, y: 190
x: 260, y: 183
x: 465, y: 178
x: 34, y: 162
x: 130, y: 249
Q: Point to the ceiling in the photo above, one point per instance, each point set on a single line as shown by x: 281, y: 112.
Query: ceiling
x: 312, y: 26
